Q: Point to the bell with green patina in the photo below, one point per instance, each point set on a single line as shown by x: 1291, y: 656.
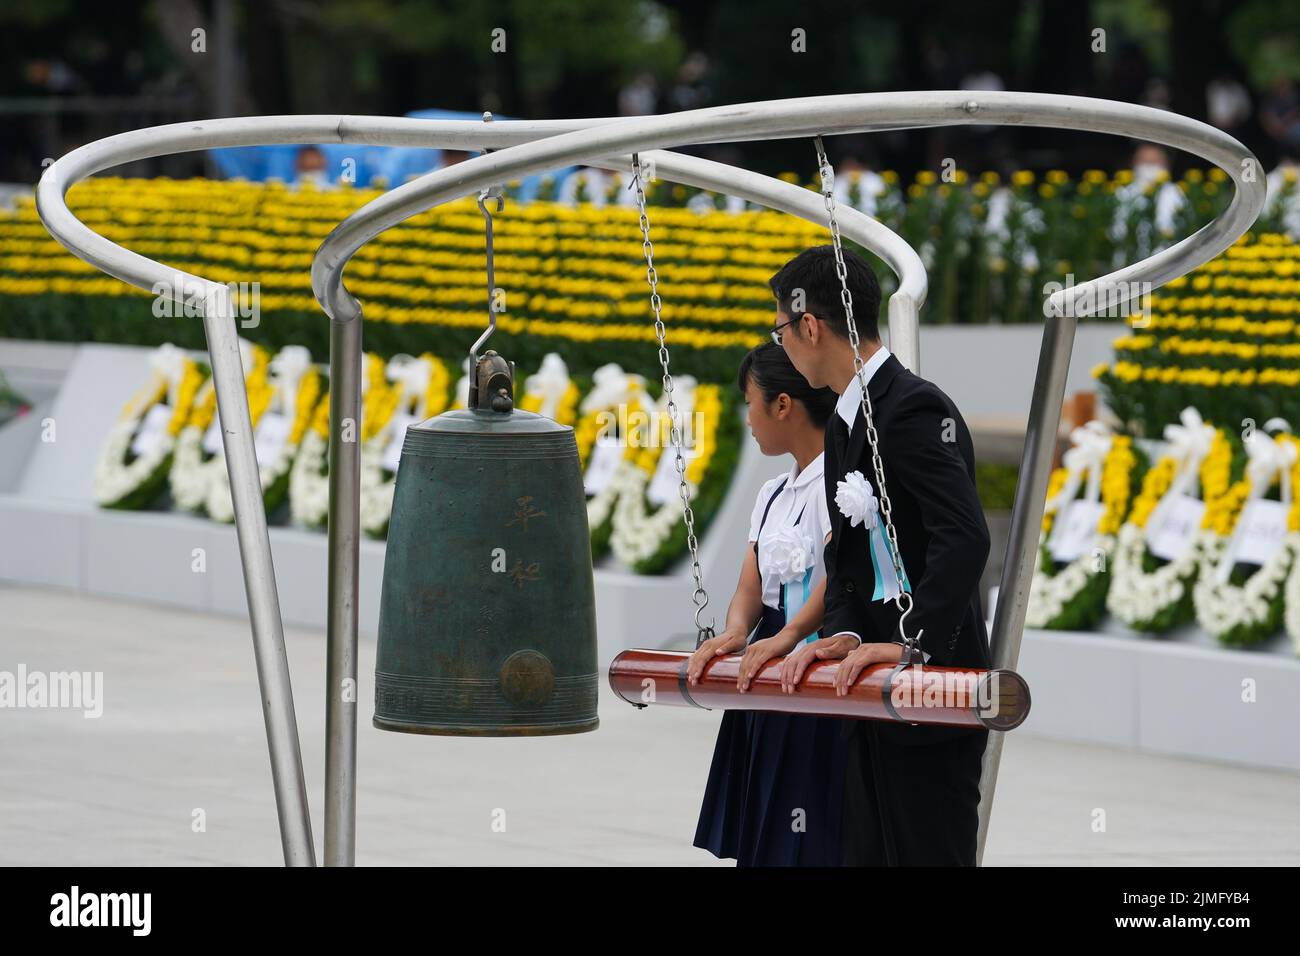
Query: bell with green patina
x: 487, y: 619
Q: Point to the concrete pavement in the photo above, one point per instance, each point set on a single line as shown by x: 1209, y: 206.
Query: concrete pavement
x: 181, y: 739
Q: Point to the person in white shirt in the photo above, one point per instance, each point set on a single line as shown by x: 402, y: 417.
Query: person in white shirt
x: 775, y: 786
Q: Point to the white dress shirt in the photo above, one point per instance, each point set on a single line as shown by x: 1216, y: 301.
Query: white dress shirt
x: 848, y: 407
x: 850, y: 402
x: 801, y: 500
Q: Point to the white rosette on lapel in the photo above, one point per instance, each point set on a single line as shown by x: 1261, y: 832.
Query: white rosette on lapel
x: 857, y: 501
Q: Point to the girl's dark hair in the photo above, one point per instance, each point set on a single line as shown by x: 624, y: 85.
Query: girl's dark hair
x: 769, y: 368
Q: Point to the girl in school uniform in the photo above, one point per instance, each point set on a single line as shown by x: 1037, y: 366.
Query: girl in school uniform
x: 775, y: 790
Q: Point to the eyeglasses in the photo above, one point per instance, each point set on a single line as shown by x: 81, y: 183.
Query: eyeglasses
x: 776, y: 332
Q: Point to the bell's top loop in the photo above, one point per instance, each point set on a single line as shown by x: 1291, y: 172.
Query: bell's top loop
x: 491, y: 192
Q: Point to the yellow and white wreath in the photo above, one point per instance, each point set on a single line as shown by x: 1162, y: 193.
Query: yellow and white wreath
x: 1248, y: 528
x: 1087, y: 500
x: 1158, y: 554
x: 309, y: 477
x: 417, y: 390
x: 551, y: 392
x: 198, y: 455
x: 131, y: 472
x: 648, y: 515
x: 613, y: 425
x: 286, y: 398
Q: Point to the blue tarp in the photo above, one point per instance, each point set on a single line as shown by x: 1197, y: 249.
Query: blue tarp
x: 393, y: 165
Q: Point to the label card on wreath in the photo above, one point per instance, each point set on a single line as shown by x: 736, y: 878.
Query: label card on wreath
x: 1173, y: 526
x: 269, y: 436
x: 151, y: 430
x: 666, y: 486
x: 397, y: 430
x: 605, y: 459
x: 212, y: 437
x: 1260, y: 531
x: 1075, y: 529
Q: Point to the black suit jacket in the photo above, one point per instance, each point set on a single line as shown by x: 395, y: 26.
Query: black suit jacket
x: 929, y: 465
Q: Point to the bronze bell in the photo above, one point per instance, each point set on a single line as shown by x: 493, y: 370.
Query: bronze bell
x: 487, y: 620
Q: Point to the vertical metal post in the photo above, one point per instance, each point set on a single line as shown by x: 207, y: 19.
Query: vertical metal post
x: 1026, y: 521
x: 905, y: 331
x: 344, y: 557
x: 259, y: 580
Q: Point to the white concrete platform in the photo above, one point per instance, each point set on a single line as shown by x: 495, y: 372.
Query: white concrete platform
x: 182, y: 730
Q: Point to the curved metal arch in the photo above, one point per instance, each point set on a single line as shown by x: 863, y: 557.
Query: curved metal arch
x: 826, y: 115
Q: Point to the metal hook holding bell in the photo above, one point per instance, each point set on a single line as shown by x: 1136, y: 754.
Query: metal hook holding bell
x: 496, y: 192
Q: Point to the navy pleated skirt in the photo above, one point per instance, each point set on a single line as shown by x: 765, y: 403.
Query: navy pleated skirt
x: 776, y: 786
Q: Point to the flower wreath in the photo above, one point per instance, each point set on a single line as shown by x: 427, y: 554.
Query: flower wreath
x: 1149, y: 592
x: 133, y: 465
x: 645, y: 527
x: 196, y: 464
x: 419, y: 391
x: 309, y: 477
x: 309, y: 495
x: 1073, y: 596
x: 613, y: 392
x: 287, y: 396
x: 1291, y: 597
x: 551, y: 392
x: 1237, y: 607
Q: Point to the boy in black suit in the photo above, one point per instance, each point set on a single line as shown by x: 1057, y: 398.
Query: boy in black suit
x: 918, y: 798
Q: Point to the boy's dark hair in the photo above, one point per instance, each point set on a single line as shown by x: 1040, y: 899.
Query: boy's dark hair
x: 813, y: 271
x: 769, y: 368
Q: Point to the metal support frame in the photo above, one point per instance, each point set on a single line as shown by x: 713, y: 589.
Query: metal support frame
x: 523, y: 147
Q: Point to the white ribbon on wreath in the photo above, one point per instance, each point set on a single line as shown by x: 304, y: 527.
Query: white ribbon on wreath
x: 412, y: 375
x: 1090, y: 445
x: 551, y: 382
x: 1188, y: 444
x: 611, y: 387
x: 1049, y: 594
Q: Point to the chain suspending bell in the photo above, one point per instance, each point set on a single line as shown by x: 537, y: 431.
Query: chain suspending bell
x: 487, y: 618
